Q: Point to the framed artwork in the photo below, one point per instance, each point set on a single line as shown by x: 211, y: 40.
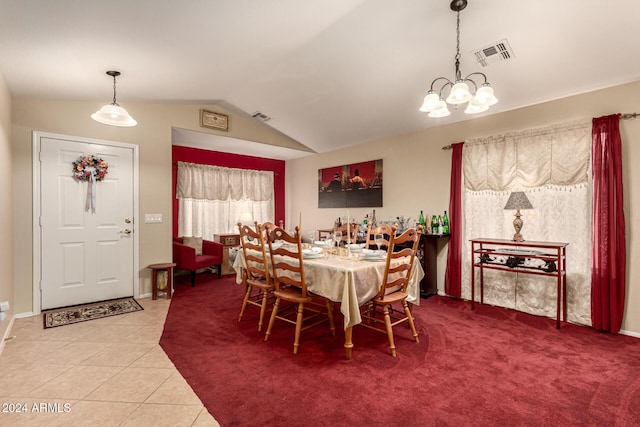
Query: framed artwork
x: 218, y: 121
x: 354, y: 185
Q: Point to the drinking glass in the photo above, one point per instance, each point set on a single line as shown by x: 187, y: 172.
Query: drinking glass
x: 379, y: 240
x: 337, y: 236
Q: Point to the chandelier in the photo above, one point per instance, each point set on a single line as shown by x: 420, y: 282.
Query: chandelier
x: 479, y: 100
x: 113, y: 114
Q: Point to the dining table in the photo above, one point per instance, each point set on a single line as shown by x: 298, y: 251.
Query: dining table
x: 348, y: 279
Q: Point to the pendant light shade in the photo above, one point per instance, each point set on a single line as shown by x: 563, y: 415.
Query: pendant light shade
x: 113, y: 114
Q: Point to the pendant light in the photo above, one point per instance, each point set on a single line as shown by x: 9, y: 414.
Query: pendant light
x: 459, y: 92
x: 113, y: 114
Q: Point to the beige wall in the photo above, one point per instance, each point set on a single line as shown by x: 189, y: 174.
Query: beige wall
x: 6, y: 219
x: 152, y: 135
x: 417, y: 170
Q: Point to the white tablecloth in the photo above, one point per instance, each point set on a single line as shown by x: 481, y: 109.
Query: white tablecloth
x: 347, y: 281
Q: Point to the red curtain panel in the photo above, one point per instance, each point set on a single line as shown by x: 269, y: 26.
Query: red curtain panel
x: 453, y: 273
x: 609, y: 256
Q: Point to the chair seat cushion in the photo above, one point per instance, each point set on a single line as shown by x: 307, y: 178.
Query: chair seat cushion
x: 203, y: 261
x: 260, y: 283
x: 292, y: 294
x: 391, y: 298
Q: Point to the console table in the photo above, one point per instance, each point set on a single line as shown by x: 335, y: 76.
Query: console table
x: 488, y: 253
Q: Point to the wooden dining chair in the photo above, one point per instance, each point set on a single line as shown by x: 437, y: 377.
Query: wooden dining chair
x: 383, y: 229
x: 353, y: 230
x: 257, y: 282
x: 290, y: 286
x: 394, y: 287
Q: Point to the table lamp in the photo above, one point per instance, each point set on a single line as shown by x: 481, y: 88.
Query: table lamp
x: 518, y: 200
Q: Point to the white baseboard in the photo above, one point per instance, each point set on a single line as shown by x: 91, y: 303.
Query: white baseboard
x: 149, y: 295
x: 7, y: 333
x: 26, y: 314
x: 630, y: 333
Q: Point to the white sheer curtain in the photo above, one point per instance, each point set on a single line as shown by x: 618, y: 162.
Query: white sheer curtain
x: 552, y: 166
x: 211, y: 199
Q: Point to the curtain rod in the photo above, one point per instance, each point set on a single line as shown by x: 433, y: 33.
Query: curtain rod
x: 623, y: 116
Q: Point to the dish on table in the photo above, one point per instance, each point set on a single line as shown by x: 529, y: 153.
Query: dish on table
x: 374, y: 253
x: 357, y: 247
x: 312, y: 253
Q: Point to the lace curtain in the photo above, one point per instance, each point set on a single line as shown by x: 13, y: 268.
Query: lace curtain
x: 552, y: 166
x: 211, y: 199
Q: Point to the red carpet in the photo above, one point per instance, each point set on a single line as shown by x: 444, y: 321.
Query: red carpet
x: 488, y: 367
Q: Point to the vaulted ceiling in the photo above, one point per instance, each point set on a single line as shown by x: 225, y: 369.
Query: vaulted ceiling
x: 328, y: 73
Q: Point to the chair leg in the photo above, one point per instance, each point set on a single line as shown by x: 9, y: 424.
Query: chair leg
x: 245, y: 302
x: 193, y: 278
x: 387, y: 322
x: 219, y: 268
x: 272, y: 319
x: 407, y: 311
x: 263, y: 308
x: 299, y: 318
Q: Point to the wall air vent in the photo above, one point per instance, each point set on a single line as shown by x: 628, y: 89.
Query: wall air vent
x: 259, y: 116
x: 499, y: 51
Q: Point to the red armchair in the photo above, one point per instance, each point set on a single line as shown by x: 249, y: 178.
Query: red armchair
x: 186, y: 259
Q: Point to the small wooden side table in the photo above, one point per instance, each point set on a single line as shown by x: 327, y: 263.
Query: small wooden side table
x: 155, y: 268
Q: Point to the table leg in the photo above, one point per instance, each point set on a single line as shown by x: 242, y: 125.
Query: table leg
x: 348, y: 345
x: 154, y: 283
x: 473, y: 278
x: 559, y: 299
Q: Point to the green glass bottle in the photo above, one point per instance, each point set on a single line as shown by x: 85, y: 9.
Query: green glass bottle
x: 445, y: 223
x: 422, y: 221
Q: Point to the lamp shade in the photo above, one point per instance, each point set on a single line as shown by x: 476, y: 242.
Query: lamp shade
x: 440, y: 111
x: 113, y: 115
x: 474, y: 108
x: 518, y: 200
x: 459, y: 93
x: 485, y: 96
x: 431, y: 102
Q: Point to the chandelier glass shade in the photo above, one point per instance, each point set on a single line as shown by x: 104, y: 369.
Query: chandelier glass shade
x: 478, y: 100
x: 113, y: 114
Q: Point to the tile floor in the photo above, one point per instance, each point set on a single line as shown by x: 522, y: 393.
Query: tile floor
x: 107, y: 372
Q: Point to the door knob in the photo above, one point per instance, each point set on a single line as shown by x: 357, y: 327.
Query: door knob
x: 126, y: 231
x: 127, y: 220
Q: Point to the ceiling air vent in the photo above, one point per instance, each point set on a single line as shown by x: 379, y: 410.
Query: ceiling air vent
x: 259, y: 116
x: 499, y: 51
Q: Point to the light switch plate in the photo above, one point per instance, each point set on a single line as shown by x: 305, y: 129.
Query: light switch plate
x: 152, y: 218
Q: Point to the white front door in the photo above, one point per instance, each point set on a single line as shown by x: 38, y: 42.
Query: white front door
x: 86, y: 253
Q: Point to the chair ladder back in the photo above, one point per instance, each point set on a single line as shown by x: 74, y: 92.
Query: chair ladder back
x: 384, y: 229
x: 352, y: 229
x: 254, y: 251
x: 286, y: 259
x: 398, y: 249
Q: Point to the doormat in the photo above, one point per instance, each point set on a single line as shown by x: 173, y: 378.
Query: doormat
x: 82, y: 313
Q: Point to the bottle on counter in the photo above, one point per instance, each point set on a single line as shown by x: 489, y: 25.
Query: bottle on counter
x: 445, y: 223
x: 440, y: 225
x: 434, y: 225
x: 374, y: 222
x: 421, y: 220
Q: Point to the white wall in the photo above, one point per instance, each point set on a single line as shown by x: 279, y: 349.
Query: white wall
x: 6, y: 213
